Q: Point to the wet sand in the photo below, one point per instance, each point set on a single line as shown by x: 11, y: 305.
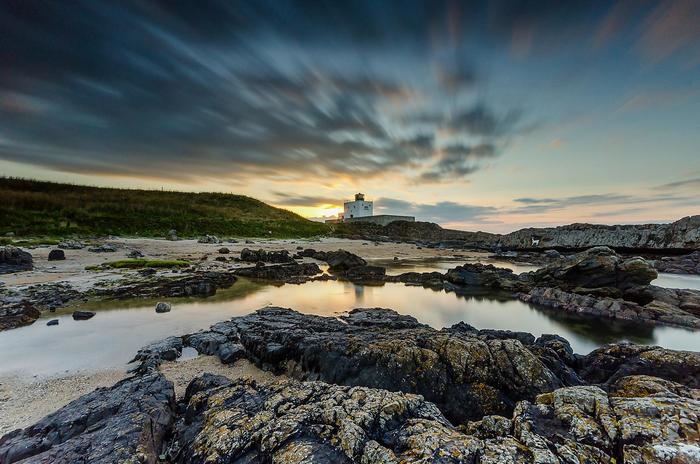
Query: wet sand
x: 24, y: 401
x: 72, y: 269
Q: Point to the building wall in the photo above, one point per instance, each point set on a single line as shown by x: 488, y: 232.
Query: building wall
x: 355, y: 209
x: 382, y: 219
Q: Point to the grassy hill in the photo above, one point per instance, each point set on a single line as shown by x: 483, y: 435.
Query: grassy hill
x: 32, y: 208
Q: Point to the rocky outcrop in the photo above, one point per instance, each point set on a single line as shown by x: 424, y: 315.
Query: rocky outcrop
x: 208, y: 239
x: 287, y: 273
x: 686, y: 264
x: 682, y: 234
x: 255, y: 256
x: 201, y: 284
x: 57, y: 255
x: 465, y: 374
x: 598, y: 271
x: 71, y: 244
x: 338, y: 261
x: 485, y: 276
x: 125, y: 423
x: 17, y: 314
x: 13, y: 259
x: 103, y: 248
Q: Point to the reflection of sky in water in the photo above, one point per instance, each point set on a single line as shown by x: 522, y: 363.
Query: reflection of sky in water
x: 112, y: 337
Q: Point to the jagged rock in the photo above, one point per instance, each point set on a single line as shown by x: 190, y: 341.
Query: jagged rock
x: 485, y: 276
x: 150, y: 356
x: 208, y: 239
x: 313, y: 422
x: 133, y: 254
x: 598, y: 271
x: 201, y: 284
x: 125, y: 423
x: 13, y: 259
x: 682, y: 313
x: 682, y: 234
x: 342, y: 260
x: 365, y: 274
x: 466, y: 376
x: 687, y: 264
x: 291, y: 273
x: 163, y: 307
x: 57, y: 255
x: 82, y: 315
x: 71, y: 244
x: 612, y: 362
x: 254, y: 256
x: 103, y: 248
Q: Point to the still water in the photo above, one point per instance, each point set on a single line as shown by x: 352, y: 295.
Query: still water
x: 112, y: 337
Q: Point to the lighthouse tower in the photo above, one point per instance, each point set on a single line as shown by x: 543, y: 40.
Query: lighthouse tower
x: 358, y: 208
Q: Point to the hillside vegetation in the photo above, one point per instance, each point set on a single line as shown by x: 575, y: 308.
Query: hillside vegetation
x: 32, y: 208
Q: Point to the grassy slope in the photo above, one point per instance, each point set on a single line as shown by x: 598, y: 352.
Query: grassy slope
x: 31, y: 208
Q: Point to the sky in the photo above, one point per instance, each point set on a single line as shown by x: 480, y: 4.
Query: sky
x: 477, y: 115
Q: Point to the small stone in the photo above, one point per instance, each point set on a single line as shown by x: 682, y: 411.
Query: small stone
x: 52, y: 322
x: 82, y: 315
x: 163, y: 307
x: 57, y: 255
x: 224, y: 251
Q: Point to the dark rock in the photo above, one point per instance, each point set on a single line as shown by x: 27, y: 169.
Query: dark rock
x: 82, y: 315
x: 150, y: 356
x: 687, y: 264
x: 485, y: 276
x: 342, y: 260
x: 163, y: 307
x: 254, y: 256
x: 104, y: 248
x: 17, y: 314
x: 134, y: 254
x: 598, y: 271
x: 224, y: 251
x: 71, y: 244
x: 361, y: 274
x: 465, y: 376
x: 208, y: 239
x: 221, y: 259
x: 125, y: 423
x: 200, y: 284
x: 281, y: 272
x: 57, y: 255
x: 13, y: 259
x: 230, y: 352
x: 52, y: 322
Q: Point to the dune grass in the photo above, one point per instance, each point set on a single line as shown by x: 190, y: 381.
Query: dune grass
x: 36, y: 208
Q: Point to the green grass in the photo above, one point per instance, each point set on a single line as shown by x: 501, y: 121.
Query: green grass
x: 32, y: 208
x: 141, y: 263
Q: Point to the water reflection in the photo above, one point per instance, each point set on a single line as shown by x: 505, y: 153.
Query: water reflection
x: 111, y: 338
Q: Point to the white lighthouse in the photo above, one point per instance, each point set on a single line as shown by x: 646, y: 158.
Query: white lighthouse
x: 358, y: 208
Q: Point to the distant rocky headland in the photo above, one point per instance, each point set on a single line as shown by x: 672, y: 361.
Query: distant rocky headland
x: 678, y: 236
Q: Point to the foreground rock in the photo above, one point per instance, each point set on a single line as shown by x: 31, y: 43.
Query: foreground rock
x: 288, y: 273
x: 13, y: 259
x: 254, y: 256
x: 125, y: 423
x: 18, y: 314
x: 57, y: 255
x: 201, y: 284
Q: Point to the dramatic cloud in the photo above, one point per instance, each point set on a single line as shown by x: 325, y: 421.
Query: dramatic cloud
x: 441, y: 212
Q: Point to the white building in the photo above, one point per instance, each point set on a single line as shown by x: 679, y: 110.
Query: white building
x: 358, y: 208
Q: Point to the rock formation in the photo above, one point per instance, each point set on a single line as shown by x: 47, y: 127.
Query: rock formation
x: 13, y: 259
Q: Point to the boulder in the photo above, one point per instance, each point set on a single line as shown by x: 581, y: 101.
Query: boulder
x: 57, y: 255
x: 163, y: 307
x: 172, y: 235
x: 599, y: 271
x: 17, y: 314
x: 208, y: 239
x: 485, y: 276
x: 82, y: 315
x: 13, y: 259
x: 71, y: 244
x: 224, y: 251
x: 255, y: 256
x: 103, y: 248
x: 342, y: 260
x: 365, y: 274
x: 125, y: 423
